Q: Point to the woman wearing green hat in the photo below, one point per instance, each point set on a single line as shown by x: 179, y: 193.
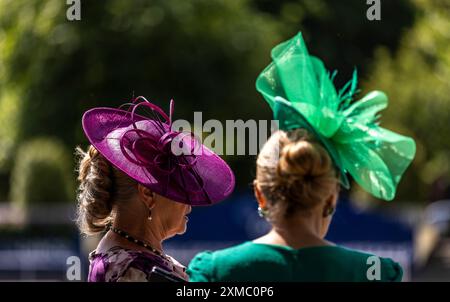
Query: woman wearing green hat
x: 322, y: 137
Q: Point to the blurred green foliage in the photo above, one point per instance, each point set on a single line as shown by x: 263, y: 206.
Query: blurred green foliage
x: 42, y: 173
x: 206, y: 54
x: 338, y: 31
x: 417, y: 79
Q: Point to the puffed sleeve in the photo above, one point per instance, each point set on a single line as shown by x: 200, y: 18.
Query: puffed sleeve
x: 391, y: 271
x: 133, y: 275
x: 201, y: 268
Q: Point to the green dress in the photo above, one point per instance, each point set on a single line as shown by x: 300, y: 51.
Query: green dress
x: 264, y: 262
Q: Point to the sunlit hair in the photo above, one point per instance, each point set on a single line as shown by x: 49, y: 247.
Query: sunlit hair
x: 101, y: 187
x: 294, y: 173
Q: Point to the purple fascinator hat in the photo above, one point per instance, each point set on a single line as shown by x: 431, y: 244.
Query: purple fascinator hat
x: 170, y: 163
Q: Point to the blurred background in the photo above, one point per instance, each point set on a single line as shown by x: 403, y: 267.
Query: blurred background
x: 206, y: 54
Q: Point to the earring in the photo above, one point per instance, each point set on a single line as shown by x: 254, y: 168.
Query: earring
x: 149, y: 217
x: 262, y: 212
x: 329, y: 211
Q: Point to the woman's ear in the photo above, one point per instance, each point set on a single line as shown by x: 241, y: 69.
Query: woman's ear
x: 146, y: 195
x: 262, y: 202
x: 330, y: 205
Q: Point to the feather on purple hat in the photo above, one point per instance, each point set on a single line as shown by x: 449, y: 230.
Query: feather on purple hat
x: 170, y: 163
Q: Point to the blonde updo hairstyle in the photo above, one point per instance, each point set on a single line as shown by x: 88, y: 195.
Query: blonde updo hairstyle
x: 102, y: 187
x: 294, y: 173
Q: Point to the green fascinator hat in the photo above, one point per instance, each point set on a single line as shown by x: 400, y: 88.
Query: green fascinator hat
x: 301, y: 93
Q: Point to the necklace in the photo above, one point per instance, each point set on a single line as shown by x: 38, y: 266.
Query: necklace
x: 136, y: 241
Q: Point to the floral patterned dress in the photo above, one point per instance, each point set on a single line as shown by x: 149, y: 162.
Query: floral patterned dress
x: 124, y: 265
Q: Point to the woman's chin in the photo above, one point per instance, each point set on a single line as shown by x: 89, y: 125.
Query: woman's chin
x: 183, y: 228
x: 182, y: 231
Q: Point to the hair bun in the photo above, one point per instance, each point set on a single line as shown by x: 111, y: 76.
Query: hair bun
x: 303, y: 160
x: 304, y: 175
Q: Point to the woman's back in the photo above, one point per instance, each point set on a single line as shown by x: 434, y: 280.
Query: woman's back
x: 263, y: 262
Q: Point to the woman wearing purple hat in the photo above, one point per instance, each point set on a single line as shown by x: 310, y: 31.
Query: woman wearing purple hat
x: 138, y: 181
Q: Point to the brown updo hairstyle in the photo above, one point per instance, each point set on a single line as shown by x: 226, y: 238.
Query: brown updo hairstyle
x: 101, y: 188
x: 294, y: 173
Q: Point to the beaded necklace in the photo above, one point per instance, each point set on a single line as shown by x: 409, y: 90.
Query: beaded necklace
x: 137, y: 241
